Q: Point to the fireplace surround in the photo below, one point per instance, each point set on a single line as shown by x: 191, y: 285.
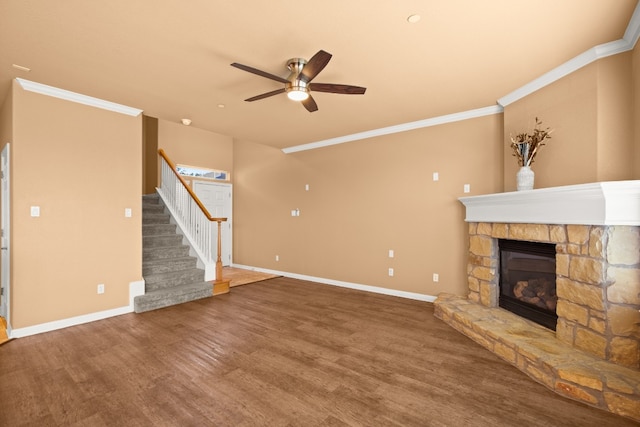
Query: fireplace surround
x: 594, y: 354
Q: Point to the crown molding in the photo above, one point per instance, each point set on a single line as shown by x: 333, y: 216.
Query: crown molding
x: 77, y: 97
x: 625, y: 44
x: 571, y: 66
x: 632, y: 33
x: 434, y: 121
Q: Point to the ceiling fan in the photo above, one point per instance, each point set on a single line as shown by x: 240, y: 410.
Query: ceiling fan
x: 298, y: 84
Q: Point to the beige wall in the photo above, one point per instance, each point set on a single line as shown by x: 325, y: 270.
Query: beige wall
x: 615, y: 118
x: 591, y: 113
x: 82, y: 166
x: 6, y: 120
x: 373, y: 195
x: 195, y: 147
x: 365, y: 198
x: 149, y: 154
x: 569, y: 106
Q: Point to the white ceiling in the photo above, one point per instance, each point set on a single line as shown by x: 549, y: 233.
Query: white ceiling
x: 171, y: 58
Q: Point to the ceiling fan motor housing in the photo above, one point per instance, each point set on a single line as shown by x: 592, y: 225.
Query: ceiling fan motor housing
x: 295, y: 65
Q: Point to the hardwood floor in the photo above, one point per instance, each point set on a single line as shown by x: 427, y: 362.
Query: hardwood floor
x: 240, y: 276
x: 3, y: 331
x: 283, y: 352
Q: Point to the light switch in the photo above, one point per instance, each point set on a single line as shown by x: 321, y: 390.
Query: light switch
x: 35, y: 211
x: 436, y: 176
x: 467, y: 188
x: 127, y: 212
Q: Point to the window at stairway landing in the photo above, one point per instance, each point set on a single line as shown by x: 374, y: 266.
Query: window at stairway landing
x: 200, y: 172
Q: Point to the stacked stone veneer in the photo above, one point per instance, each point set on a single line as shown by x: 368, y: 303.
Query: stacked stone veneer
x: 597, y: 282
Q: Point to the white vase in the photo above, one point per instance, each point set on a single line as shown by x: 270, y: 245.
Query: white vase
x: 524, y: 178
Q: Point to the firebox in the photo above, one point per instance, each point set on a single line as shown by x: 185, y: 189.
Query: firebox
x: 528, y: 280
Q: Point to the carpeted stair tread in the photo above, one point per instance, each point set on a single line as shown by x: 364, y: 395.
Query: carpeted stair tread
x: 162, y: 240
x: 173, y: 278
x: 158, y: 229
x: 168, y: 265
x: 164, y: 252
x: 153, y: 300
x: 155, y: 218
x: 154, y: 207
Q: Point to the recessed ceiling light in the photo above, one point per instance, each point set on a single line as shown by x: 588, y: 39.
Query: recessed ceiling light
x: 412, y: 19
x: 186, y: 122
x: 21, y: 68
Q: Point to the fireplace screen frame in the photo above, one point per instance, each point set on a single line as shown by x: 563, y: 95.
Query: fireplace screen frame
x: 545, y: 317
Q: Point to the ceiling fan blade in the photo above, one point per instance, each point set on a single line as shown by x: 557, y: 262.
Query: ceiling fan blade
x: 260, y: 72
x: 310, y: 104
x: 336, y: 88
x: 315, y: 65
x: 265, y: 95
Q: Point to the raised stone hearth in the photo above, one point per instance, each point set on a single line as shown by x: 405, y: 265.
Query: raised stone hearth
x: 594, y: 355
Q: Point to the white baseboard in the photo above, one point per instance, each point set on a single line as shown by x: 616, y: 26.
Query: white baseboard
x: 357, y: 286
x: 135, y: 288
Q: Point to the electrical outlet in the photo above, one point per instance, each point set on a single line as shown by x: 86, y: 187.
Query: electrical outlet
x: 436, y: 277
x: 467, y: 188
x: 391, y: 253
x: 127, y: 212
x: 277, y: 257
x: 101, y: 288
x: 436, y: 176
x: 391, y: 272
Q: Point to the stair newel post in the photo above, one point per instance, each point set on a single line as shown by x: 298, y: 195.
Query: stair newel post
x: 220, y: 286
x: 219, y: 259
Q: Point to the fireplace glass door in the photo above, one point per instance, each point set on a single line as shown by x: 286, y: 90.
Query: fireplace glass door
x: 528, y: 280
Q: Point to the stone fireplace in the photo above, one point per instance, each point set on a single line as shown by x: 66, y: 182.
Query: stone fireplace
x: 594, y: 354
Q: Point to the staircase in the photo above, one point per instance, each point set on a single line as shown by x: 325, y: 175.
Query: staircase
x: 170, y: 274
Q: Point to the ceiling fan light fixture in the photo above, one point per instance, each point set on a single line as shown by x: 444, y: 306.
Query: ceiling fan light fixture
x: 297, y: 95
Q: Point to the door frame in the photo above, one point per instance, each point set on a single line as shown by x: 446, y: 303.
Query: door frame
x: 5, y: 239
x: 228, y: 223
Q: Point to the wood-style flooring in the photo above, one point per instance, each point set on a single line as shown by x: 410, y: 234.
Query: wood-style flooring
x: 240, y: 276
x: 282, y: 352
x: 3, y: 331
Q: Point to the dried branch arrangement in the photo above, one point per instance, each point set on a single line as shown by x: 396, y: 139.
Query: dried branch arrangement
x: 525, y: 146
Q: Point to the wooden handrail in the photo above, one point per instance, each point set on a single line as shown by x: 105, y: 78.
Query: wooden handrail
x: 219, y: 282
x: 186, y: 186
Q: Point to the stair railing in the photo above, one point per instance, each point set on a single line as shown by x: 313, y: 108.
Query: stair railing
x: 192, y: 217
